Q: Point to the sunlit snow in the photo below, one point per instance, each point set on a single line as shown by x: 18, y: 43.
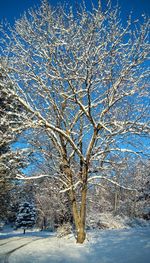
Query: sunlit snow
x: 102, y: 246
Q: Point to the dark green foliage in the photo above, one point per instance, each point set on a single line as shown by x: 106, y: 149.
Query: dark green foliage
x: 26, y: 216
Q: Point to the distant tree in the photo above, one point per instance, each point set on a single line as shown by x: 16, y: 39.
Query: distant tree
x: 26, y: 216
x: 133, y: 199
x: 141, y: 179
x: 83, y: 77
x: 12, y: 117
x: 7, y: 158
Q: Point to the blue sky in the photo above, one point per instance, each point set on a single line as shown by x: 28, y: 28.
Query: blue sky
x: 11, y: 9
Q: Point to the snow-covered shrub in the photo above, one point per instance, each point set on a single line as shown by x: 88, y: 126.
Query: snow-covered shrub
x: 26, y: 216
x: 111, y: 222
x: 64, y: 230
x: 108, y: 220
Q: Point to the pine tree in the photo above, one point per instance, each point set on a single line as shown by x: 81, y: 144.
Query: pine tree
x: 26, y: 216
x: 12, y: 116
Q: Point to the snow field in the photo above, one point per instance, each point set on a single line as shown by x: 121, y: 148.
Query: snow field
x: 106, y: 246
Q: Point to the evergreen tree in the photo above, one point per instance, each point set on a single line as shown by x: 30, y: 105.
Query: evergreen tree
x: 11, y: 120
x: 26, y: 216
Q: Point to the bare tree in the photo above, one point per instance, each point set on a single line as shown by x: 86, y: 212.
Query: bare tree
x: 83, y: 77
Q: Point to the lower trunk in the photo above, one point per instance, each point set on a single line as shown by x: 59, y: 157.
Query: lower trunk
x: 79, y: 218
x: 81, y: 235
x: 79, y: 215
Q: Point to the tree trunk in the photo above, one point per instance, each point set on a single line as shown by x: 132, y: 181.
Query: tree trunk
x: 24, y: 231
x: 81, y: 235
x: 79, y: 218
x: 80, y: 227
x: 79, y: 213
x: 79, y: 223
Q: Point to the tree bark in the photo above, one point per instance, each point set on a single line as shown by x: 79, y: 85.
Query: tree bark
x: 79, y: 213
x: 81, y: 233
x: 78, y: 219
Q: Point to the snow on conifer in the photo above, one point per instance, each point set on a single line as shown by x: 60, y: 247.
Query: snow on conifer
x: 26, y: 216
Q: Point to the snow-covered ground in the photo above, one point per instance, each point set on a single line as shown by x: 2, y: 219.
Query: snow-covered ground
x: 102, y: 246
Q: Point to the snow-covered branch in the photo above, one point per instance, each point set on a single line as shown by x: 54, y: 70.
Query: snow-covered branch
x: 97, y: 177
